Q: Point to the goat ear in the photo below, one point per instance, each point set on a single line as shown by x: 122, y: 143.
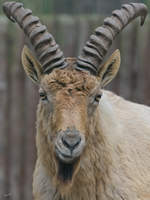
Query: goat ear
x: 109, y: 70
x: 31, y: 66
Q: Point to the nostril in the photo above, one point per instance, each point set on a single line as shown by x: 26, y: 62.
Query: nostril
x: 71, y: 143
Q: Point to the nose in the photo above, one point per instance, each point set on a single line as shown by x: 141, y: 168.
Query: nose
x: 71, y: 139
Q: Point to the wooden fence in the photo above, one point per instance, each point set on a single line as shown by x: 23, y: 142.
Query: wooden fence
x: 19, y: 97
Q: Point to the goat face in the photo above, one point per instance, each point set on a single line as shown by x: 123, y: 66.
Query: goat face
x: 68, y: 102
x: 68, y: 99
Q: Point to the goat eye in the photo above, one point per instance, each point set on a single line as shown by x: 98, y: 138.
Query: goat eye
x: 43, y: 96
x: 98, y: 97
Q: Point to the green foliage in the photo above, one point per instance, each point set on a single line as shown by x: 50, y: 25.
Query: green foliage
x: 74, y: 7
x: 69, y: 6
x: 37, y: 6
x: 147, y: 2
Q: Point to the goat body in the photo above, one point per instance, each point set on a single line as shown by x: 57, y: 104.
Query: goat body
x: 117, y: 161
x: 91, y: 144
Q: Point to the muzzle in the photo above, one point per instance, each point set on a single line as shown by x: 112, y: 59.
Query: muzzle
x: 69, y: 145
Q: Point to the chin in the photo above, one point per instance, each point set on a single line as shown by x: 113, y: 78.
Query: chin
x: 65, y: 173
x: 68, y: 149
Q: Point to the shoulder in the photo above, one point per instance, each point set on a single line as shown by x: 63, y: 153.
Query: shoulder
x: 122, y: 102
x: 127, y: 111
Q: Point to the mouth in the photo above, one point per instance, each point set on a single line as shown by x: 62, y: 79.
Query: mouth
x: 68, y: 153
x: 66, y: 170
x: 66, y: 157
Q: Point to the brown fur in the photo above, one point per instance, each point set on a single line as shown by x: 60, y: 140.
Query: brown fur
x: 115, y: 163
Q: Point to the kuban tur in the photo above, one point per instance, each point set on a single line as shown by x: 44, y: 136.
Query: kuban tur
x: 91, y: 143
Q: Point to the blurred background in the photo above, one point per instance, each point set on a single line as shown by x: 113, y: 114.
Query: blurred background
x: 71, y: 22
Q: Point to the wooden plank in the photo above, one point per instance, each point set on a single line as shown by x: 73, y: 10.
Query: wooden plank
x: 8, y: 50
x: 3, y: 105
x: 125, y: 69
x: 145, y: 67
x: 17, y: 114
x: 67, y: 33
x: 133, y: 62
x: 30, y: 151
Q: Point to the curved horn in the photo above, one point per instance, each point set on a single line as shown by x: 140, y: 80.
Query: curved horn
x: 46, y: 49
x: 96, y: 48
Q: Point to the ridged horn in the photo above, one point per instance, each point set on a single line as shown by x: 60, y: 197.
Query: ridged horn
x: 47, y: 51
x: 97, y: 46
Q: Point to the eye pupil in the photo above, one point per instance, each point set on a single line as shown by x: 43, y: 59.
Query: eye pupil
x: 43, y: 96
x: 98, y: 97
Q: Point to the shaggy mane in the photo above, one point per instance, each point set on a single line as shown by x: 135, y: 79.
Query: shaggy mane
x: 70, y: 78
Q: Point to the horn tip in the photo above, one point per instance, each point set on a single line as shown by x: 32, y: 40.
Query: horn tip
x: 6, y: 6
x: 144, y: 11
x: 144, y: 15
x: 142, y: 20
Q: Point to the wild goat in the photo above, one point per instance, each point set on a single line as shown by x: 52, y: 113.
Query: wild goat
x: 91, y: 143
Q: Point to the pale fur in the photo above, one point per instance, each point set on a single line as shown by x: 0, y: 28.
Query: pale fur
x: 116, y: 162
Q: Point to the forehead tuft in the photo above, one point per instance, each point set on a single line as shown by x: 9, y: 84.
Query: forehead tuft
x: 59, y: 79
